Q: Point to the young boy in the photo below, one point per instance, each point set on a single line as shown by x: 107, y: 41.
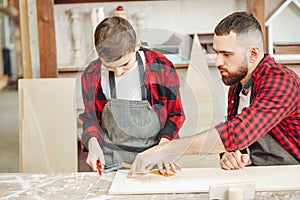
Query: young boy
x: 131, y: 97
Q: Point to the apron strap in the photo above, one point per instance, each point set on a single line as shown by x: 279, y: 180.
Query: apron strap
x: 112, y: 83
x: 237, y: 98
x: 142, y: 74
x: 237, y: 91
x: 248, y: 84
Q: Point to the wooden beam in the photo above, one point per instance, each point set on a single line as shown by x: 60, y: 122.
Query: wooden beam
x: 17, y: 41
x: 257, y: 9
x: 24, y: 39
x: 47, y: 42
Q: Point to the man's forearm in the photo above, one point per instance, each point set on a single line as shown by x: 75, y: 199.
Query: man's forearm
x: 206, y: 142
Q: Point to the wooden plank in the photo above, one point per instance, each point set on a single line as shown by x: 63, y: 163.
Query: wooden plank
x: 70, y: 69
x: 191, y: 180
x: 181, y: 65
x: 47, y: 42
x: 200, y: 103
x: 17, y: 40
x: 284, y: 4
x: 257, y: 9
x: 1, y: 65
x: 24, y: 39
x: 47, y: 125
x: 77, y: 69
x: 286, y: 48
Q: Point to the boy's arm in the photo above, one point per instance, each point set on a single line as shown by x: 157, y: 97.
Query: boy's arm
x: 91, y: 121
x: 175, y: 113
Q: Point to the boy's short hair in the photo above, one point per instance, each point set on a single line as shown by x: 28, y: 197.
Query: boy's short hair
x: 114, y: 37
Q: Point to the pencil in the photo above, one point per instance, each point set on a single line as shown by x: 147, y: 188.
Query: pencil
x: 99, y: 167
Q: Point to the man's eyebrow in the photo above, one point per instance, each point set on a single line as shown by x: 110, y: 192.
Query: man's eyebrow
x: 222, y: 51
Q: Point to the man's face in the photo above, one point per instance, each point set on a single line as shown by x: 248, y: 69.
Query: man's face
x: 231, y: 59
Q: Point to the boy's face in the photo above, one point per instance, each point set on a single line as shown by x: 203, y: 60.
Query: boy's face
x: 121, y: 66
x: 125, y: 63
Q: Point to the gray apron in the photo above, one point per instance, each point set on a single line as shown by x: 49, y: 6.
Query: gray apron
x: 266, y: 150
x: 130, y: 126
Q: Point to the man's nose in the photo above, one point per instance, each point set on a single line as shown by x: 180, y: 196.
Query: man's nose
x: 219, y: 61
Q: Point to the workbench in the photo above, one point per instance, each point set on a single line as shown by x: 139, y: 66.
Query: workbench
x: 89, y: 185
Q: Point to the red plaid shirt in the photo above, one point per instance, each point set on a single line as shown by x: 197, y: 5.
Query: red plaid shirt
x: 274, y: 109
x: 162, y: 84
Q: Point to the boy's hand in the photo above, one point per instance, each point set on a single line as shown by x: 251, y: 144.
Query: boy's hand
x: 95, y: 153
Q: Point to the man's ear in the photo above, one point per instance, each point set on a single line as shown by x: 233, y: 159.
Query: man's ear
x: 254, y: 54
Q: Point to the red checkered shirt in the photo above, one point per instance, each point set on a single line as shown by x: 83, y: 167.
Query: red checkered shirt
x: 274, y: 109
x: 162, y: 85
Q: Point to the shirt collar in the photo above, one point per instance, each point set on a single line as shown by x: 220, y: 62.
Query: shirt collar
x: 259, y: 70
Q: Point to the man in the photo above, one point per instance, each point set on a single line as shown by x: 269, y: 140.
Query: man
x: 263, y: 106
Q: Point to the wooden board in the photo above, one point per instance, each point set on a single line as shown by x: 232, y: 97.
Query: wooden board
x: 47, y: 125
x: 191, y: 180
x: 46, y: 36
x: 201, y: 104
x: 25, y: 41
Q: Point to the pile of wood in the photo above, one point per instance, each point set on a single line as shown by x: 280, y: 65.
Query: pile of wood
x: 287, y: 49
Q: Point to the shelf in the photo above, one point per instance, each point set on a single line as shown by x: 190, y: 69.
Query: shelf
x: 206, y: 41
x: 70, y: 69
x: 86, y: 1
x: 286, y: 48
x: 75, y: 69
x: 181, y: 65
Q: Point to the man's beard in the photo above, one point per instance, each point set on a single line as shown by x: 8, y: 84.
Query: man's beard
x: 235, y: 77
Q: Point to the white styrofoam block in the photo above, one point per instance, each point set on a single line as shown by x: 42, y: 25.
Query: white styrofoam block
x: 220, y: 191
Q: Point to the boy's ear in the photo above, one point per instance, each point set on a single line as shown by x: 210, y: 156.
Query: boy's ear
x: 138, y: 45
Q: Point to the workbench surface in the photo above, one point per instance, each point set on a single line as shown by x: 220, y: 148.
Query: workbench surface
x: 89, y: 185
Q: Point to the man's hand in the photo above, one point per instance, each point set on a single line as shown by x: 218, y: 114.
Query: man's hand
x: 166, y: 153
x: 95, y: 153
x: 160, y: 155
x: 234, y: 160
x: 167, y: 168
